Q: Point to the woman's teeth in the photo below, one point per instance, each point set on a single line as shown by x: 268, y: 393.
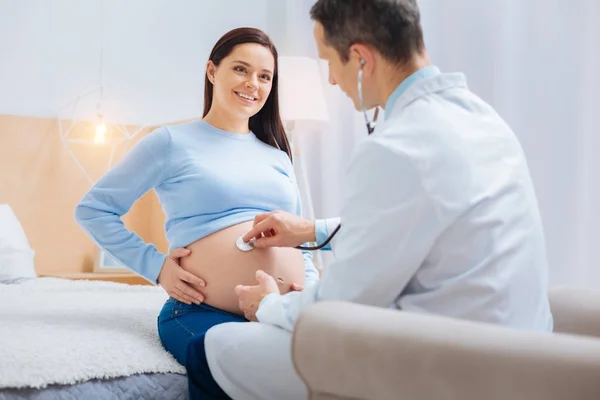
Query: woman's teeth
x: 245, y: 96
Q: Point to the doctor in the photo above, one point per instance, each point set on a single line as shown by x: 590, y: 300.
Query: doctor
x: 439, y: 214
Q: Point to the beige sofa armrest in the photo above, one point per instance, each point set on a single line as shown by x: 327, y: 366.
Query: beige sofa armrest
x: 575, y: 310
x: 349, y: 351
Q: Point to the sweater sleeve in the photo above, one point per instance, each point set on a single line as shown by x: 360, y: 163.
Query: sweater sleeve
x: 99, y: 212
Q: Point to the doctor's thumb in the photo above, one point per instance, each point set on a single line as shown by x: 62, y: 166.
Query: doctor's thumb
x: 270, y: 241
x: 238, y: 289
x: 262, y: 276
x: 260, y: 243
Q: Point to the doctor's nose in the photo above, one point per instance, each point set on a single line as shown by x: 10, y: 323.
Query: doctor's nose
x: 331, y: 79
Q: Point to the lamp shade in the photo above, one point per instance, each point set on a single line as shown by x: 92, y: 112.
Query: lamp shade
x: 301, y: 96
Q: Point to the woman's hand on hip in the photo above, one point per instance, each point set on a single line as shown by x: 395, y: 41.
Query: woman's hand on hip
x: 280, y: 229
x: 177, y: 282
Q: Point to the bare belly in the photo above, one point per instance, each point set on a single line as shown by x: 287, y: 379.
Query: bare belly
x: 218, y: 261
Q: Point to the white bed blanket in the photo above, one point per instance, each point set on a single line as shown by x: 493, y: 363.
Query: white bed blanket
x: 62, y: 331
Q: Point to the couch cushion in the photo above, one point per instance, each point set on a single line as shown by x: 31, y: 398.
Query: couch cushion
x: 575, y: 310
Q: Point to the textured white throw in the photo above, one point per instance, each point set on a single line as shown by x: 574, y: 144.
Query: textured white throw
x: 62, y: 331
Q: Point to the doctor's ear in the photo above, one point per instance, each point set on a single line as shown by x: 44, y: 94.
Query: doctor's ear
x: 363, y: 54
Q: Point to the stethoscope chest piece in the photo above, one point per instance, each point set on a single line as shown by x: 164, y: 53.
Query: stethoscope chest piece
x: 243, y: 246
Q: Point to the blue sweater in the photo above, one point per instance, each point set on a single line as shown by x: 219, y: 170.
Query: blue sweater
x: 206, y: 179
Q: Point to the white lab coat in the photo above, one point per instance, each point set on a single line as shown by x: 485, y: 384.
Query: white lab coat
x: 440, y: 216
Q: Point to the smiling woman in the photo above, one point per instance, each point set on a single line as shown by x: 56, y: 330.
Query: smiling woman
x: 244, y: 83
x: 240, y: 87
x: 212, y: 177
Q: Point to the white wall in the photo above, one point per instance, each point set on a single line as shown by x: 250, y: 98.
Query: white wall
x: 154, y: 54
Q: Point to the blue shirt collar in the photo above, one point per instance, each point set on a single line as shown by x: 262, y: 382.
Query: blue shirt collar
x: 424, y: 73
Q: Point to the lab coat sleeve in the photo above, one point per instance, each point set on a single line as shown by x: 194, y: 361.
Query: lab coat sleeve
x: 390, y: 225
x: 323, y: 228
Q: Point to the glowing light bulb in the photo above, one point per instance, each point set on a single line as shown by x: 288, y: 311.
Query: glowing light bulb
x: 100, y: 136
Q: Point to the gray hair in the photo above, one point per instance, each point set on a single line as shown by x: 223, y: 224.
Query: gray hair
x: 393, y: 27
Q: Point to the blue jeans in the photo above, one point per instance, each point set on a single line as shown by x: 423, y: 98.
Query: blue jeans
x: 179, y: 325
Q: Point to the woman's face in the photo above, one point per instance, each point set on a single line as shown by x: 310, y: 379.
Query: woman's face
x: 242, y: 81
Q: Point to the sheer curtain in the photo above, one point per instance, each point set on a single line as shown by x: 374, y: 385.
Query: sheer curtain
x: 537, y: 63
x: 325, y: 151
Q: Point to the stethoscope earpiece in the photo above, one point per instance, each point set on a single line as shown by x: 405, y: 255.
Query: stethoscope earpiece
x: 370, y: 124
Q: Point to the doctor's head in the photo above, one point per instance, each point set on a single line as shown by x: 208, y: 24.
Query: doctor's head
x: 241, y: 83
x: 385, y: 34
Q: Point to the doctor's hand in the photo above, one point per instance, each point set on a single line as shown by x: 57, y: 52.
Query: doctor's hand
x: 179, y: 283
x: 280, y: 229
x: 249, y: 297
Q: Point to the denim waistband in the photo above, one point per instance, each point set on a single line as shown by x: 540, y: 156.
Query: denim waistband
x: 202, y: 306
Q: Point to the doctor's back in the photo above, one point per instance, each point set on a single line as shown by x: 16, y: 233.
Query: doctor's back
x: 486, y: 257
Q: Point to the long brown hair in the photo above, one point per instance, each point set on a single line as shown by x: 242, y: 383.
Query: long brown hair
x: 266, y: 124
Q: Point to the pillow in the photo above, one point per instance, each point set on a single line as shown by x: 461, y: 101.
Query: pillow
x: 16, y: 257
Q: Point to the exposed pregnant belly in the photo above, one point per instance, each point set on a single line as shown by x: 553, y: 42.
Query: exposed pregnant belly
x: 218, y: 261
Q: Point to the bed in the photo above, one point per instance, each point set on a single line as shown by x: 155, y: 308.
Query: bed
x: 66, y: 339
x: 145, y: 386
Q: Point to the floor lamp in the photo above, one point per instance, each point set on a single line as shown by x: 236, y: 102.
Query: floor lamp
x: 303, y: 109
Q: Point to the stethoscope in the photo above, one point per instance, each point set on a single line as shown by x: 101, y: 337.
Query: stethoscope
x: 370, y: 124
x: 243, y: 246
x: 370, y: 128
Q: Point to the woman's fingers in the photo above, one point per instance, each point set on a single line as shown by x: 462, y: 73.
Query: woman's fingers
x: 178, y: 295
x: 179, y: 252
x: 191, y: 293
x: 191, y: 278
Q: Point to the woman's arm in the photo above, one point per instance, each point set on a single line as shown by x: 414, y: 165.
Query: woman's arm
x: 99, y: 212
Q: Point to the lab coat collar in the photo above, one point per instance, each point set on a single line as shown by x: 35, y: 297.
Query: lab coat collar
x: 424, y: 87
x: 423, y: 73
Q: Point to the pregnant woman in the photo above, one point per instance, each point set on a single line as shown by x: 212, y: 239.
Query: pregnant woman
x: 212, y: 177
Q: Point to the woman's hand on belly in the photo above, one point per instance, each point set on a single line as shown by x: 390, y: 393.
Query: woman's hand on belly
x: 179, y: 283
